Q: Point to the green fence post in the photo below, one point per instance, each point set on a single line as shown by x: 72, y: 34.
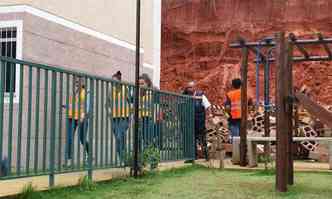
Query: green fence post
x: 108, y: 101
x: 36, y: 148
x: 91, y: 108
x: 102, y: 125
x: 53, y: 126
x: 19, y: 130
x: 45, y: 119
x: 10, y: 122
x: 79, y: 126
x: 97, y: 124
x: 2, y: 93
x: 60, y: 122
x: 29, y: 122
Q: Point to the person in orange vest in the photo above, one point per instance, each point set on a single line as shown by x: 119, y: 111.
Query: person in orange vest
x: 118, y: 107
x: 77, y: 115
x: 233, y: 107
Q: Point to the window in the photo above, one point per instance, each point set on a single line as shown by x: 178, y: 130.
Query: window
x: 11, y: 46
x: 8, y: 42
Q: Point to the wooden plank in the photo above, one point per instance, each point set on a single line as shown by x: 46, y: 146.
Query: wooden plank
x: 244, y: 107
x: 295, y: 139
x: 315, y: 109
x: 282, y: 137
x: 325, y: 45
x: 289, y: 110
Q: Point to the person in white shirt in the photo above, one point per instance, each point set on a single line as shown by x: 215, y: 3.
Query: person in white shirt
x: 202, y: 106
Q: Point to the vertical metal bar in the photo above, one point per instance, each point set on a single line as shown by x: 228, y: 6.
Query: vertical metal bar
x: 244, y: 107
x: 102, y: 120
x: 130, y: 130
x: 67, y: 116
x: 138, y: 41
x: 282, y: 141
x: 10, y: 122
x: 112, y: 122
x: 145, y: 117
x: 108, y: 101
x: 193, y: 127
x: 60, y: 122
x: 2, y: 97
x: 117, y: 115
x: 53, y: 129
x: 124, y: 112
x: 79, y: 123
x: 74, y: 120
x: 19, y: 130
x: 168, y: 126
x: 45, y: 119
x: 97, y: 124
x: 91, y: 105
x: 36, y: 147
x: 177, y: 138
x: 86, y: 122
x: 29, y: 122
x: 266, y: 106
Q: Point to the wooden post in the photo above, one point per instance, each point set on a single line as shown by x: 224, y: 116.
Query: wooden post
x: 281, y: 94
x: 244, y: 108
x: 289, y: 109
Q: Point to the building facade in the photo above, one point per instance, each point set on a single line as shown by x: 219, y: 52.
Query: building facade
x: 94, y: 37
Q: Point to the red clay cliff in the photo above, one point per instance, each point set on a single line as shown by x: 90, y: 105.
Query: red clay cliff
x: 196, y: 35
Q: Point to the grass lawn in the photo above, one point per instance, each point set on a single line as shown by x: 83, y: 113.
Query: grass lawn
x: 195, y: 182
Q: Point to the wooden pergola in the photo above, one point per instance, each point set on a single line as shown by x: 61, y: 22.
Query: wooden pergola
x: 285, y: 96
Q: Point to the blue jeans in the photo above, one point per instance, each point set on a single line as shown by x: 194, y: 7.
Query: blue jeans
x: 72, y: 126
x: 234, y: 127
x: 119, y: 128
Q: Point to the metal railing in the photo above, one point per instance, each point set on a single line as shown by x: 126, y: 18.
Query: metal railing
x: 58, y: 120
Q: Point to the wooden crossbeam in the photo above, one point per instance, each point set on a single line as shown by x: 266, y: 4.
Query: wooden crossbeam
x: 273, y: 43
x: 299, y: 46
x: 301, y: 59
x: 326, y: 47
x: 315, y: 109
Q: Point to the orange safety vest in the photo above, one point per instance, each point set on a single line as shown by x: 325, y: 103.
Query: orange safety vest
x: 235, y: 98
x: 73, y: 112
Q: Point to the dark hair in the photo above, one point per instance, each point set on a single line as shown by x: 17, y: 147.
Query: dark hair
x: 236, y: 83
x: 117, y: 75
x: 147, y: 79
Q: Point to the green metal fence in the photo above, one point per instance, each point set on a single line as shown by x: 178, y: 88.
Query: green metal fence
x: 54, y: 120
